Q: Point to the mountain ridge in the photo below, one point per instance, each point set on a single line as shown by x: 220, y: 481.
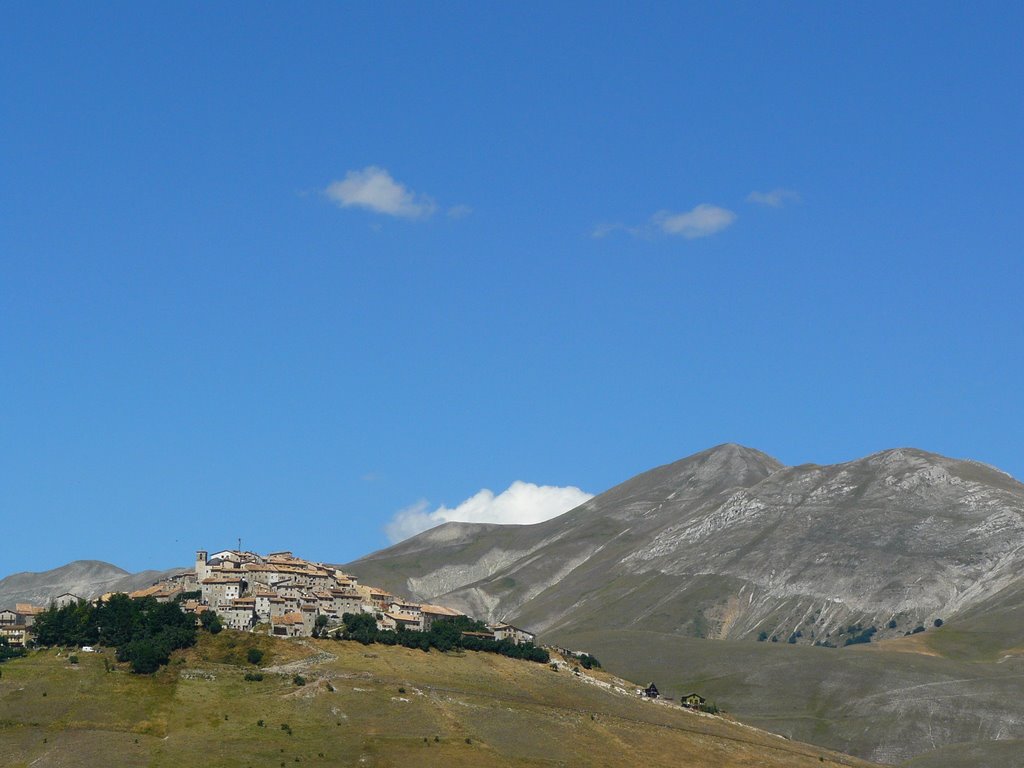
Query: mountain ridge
x: 85, y: 578
x: 731, y: 512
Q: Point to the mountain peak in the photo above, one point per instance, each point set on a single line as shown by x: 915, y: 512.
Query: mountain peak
x: 730, y: 464
x: 739, y: 452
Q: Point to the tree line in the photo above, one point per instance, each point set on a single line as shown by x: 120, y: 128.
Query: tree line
x: 444, y: 635
x: 144, y: 631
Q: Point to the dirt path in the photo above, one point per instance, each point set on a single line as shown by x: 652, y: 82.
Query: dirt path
x: 302, y: 665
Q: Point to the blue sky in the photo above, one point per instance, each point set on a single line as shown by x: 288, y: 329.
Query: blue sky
x: 282, y: 272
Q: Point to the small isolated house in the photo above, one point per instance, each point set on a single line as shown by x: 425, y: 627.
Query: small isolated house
x: 693, y: 701
x: 651, y: 691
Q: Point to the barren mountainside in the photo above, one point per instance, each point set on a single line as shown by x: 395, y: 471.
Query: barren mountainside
x: 85, y: 578
x: 730, y: 543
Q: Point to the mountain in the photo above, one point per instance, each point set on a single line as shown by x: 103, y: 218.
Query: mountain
x: 85, y: 578
x: 730, y: 543
x: 676, y: 573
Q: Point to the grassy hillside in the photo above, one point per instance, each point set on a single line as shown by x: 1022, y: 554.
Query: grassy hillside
x: 361, y: 705
x: 899, y: 700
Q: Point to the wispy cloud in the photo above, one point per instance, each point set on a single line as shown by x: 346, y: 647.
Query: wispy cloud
x: 460, y: 211
x: 521, y: 503
x: 374, y: 189
x: 701, y: 221
x: 776, y: 198
x: 603, y: 230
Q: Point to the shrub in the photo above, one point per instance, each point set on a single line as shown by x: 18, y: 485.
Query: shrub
x: 72, y: 659
x: 299, y: 680
x: 254, y: 655
x: 892, y: 624
x: 918, y: 628
x: 863, y: 636
x: 937, y: 622
x: 762, y: 636
x: 587, y: 661
x: 254, y: 677
x: 211, y: 622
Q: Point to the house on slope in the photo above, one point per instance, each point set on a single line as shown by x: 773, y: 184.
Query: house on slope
x: 693, y: 701
x: 432, y: 613
x: 239, y: 614
x: 161, y: 592
x: 396, y: 621
x: 651, y: 691
x: 217, y: 591
x: 288, y: 625
x: 14, y: 624
x: 66, y: 598
x: 504, y: 631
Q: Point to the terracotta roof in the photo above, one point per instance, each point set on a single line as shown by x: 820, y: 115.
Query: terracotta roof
x: 439, y: 610
x: 288, y: 618
x: 147, y: 592
x: 403, y: 617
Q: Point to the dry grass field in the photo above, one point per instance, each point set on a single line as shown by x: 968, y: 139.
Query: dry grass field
x: 360, y: 706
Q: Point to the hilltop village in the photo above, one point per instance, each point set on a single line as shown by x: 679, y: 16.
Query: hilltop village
x: 289, y: 596
x: 278, y: 593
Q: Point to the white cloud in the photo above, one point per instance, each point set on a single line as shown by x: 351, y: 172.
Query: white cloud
x: 521, y: 504
x: 701, y: 221
x: 774, y: 199
x: 374, y: 189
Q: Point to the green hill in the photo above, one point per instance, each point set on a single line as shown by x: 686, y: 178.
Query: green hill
x: 360, y: 705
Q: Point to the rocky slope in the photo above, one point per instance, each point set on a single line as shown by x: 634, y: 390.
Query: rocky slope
x: 85, y: 578
x: 729, y: 543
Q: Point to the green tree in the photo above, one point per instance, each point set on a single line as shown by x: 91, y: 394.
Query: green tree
x: 211, y: 622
